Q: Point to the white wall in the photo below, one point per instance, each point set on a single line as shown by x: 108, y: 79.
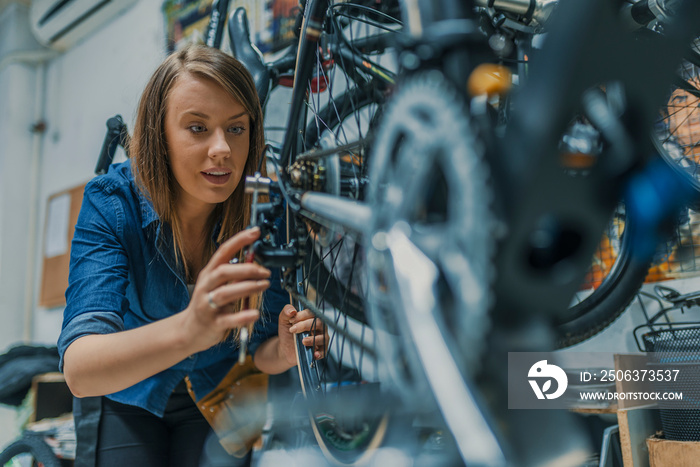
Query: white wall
x: 16, y: 105
x: 17, y: 86
x: 94, y: 80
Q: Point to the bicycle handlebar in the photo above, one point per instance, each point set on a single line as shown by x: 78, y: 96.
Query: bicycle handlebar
x: 215, y: 29
x: 116, y: 135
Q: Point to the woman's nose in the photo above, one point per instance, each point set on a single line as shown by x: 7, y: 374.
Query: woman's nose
x: 219, y: 146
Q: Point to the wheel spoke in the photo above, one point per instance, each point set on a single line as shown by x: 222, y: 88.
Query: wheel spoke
x: 328, y: 181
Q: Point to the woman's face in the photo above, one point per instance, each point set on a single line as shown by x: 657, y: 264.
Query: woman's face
x: 207, y: 133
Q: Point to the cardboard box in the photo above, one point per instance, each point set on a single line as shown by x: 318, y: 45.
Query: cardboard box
x: 667, y: 453
x: 52, y: 398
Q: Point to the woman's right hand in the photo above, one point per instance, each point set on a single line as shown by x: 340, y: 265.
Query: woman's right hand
x: 208, y: 317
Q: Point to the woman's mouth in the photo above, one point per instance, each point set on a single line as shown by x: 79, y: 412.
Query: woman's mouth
x: 217, y: 176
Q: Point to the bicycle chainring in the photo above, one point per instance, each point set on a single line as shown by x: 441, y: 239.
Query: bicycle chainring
x: 431, y: 243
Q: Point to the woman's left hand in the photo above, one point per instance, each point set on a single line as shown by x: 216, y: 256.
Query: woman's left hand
x: 292, y: 322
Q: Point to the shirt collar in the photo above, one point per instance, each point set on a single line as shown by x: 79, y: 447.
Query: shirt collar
x: 148, y: 214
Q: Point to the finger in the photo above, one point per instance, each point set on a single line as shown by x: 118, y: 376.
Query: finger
x: 303, y: 315
x: 225, y: 273
x: 230, y: 248
x: 321, y: 350
x: 311, y: 324
x: 237, y: 320
x: 289, y: 310
x: 315, y: 339
x: 318, y: 342
x: 318, y: 335
x: 287, y: 316
x: 319, y: 354
x: 228, y: 293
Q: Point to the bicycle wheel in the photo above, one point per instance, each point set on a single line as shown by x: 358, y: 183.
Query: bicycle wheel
x: 615, y: 274
x: 29, y: 451
x: 615, y: 277
x: 341, y: 108
x: 676, y: 132
x: 332, y: 284
x: 610, y: 285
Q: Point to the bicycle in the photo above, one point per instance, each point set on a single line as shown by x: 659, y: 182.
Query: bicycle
x: 47, y: 443
x: 399, y: 230
x: 30, y: 449
x: 676, y: 300
x: 670, y: 343
x: 322, y: 197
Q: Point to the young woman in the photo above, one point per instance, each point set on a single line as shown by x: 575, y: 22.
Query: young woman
x: 153, y: 297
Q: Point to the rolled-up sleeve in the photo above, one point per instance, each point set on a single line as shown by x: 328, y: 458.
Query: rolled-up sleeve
x: 95, y: 299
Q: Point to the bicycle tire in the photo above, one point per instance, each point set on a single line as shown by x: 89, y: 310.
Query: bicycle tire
x: 614, y: 284
x: 34, y: 446
x: 329, y: 281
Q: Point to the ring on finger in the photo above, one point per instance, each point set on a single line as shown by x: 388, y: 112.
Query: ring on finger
x: 212, y: 305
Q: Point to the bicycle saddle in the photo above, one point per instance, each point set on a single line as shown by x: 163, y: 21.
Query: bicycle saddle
x: 244, y: 50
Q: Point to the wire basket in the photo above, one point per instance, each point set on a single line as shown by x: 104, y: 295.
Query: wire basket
x: 672, y: 348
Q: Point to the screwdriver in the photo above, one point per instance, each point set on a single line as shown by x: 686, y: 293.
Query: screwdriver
x: 252, y: 185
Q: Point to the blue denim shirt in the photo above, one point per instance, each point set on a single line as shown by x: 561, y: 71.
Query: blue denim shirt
x: 123, y: 274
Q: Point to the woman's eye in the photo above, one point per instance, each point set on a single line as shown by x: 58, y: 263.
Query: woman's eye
x: 236, y: 130
x: 197, y: 128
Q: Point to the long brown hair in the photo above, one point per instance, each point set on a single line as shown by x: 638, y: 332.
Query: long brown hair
x: 149, y: 150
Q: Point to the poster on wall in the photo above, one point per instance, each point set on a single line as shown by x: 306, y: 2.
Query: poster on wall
x: 271, y: 22
x: 275, y: 23
x: 185, y: 22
